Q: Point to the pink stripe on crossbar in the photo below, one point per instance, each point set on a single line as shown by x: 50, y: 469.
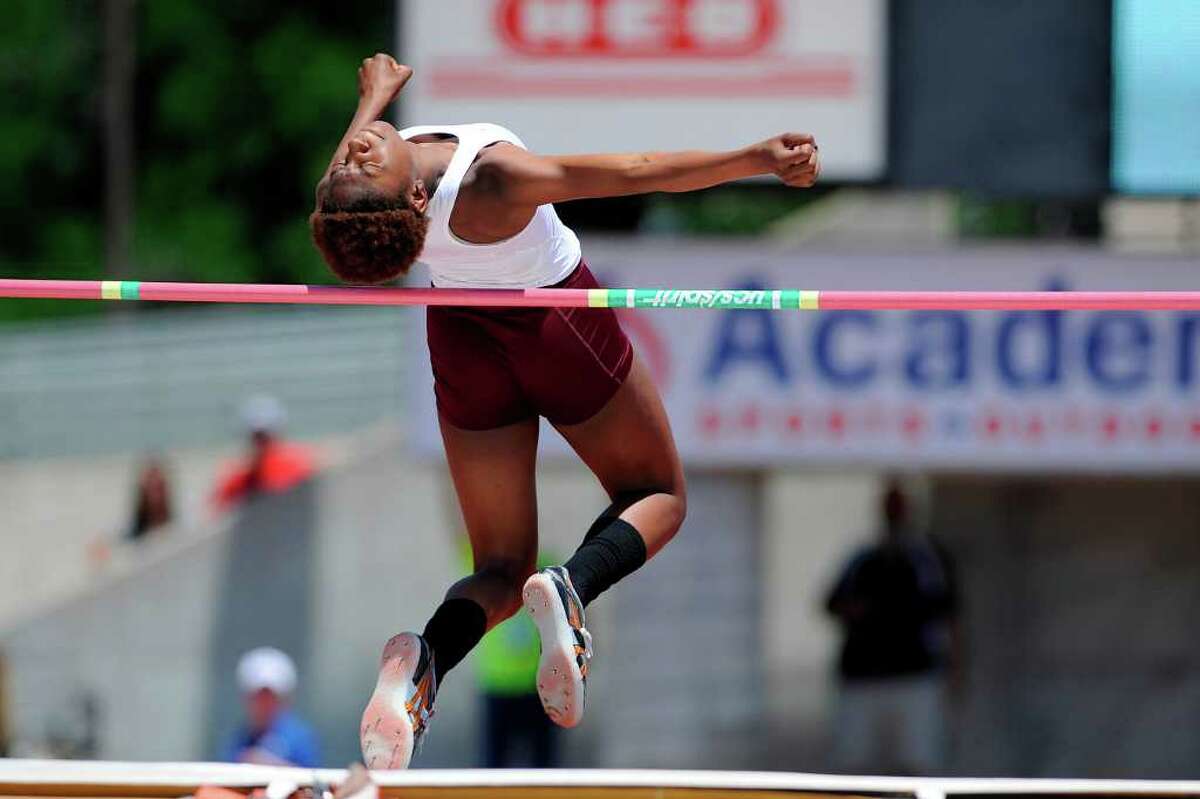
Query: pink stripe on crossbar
x: 1010, y: 300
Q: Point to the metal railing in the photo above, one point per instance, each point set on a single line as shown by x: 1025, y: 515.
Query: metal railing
x: 69, y: 779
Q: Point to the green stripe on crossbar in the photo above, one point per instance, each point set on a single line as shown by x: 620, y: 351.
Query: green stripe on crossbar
x: 120, y: 290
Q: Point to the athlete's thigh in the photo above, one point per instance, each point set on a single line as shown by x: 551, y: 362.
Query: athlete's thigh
x: 628, y: 444
x: 493, y: 474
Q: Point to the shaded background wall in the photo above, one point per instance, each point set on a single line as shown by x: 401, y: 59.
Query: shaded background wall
x: 1080, y: 600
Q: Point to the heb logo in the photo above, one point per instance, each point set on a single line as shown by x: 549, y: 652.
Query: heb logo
x: 637, y: 28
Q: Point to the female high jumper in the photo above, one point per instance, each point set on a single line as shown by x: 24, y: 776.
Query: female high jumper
x: 476, y: 206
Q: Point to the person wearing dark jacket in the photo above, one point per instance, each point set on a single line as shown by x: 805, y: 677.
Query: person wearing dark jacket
x: 896, y: 603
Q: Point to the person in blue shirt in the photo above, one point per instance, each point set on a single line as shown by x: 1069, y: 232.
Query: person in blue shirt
x: 272, y: 733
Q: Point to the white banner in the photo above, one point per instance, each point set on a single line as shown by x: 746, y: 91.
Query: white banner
x: 574, y: 76
x: 1028, y: 391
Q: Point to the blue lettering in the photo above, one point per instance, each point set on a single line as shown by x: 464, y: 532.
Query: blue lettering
x: 747, y: 337
x: 840, y: 373
x: 1043, y: 332
x: 1185, y: 369
x: 940, y: 353
x: 1118, y: 351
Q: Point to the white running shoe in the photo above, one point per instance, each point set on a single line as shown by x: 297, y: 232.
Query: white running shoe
x: 402, y: 705
x: 566, y: 644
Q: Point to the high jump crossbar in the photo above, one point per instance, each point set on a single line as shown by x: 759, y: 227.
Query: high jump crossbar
x: 722, y: 299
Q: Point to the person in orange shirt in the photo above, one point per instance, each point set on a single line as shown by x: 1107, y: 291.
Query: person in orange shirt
x: 272, y: 465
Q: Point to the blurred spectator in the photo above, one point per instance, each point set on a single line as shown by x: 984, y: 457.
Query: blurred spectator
x: 74, y: 727
x: 896, y: 602
x: 272, y: 734
x: 506, y: 665
x: 272, y: 465
x: 513, y: 715
x: 152, y: 503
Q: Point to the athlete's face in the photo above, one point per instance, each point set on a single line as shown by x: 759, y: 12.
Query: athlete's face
x: 378, y: 162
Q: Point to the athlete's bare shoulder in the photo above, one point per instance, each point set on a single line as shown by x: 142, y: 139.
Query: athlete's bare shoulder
x: 498, y: 168
x: 485, y: 210
x: 503, y: 167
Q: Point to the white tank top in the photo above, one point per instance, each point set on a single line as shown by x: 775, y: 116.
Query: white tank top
x: 542, y: 254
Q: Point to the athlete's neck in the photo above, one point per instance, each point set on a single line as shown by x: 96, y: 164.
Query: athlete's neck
x: 431, y: 160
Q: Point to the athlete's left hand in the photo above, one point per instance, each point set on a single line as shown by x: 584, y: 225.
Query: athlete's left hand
x: 793, y: 157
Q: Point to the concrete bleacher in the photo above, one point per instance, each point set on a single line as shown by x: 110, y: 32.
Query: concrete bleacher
x: 167, y: 379
x: 84, y: 400
x: 144, y: 655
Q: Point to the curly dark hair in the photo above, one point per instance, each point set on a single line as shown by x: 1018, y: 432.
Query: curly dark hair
x: 373, y: 239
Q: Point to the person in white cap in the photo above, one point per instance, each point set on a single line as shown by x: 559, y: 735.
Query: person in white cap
x: 272, y: 465
x: 272, y: 733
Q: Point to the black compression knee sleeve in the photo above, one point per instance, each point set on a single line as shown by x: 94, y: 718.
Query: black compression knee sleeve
x: 611, y: 550
x: 455, y: 629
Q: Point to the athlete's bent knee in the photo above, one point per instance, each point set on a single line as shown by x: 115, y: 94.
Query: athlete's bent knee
x: 680, y: 509
x: 670, y: 508
x: 676, y: 512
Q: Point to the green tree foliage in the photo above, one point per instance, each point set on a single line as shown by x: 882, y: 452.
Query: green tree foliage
x: 49, y: 145
x: 743, y: 210
x: 237, y: 105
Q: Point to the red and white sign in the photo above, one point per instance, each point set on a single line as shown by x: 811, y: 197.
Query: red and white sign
x: 620, y: 75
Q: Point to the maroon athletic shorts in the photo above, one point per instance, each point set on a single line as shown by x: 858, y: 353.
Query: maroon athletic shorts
x: 497, y: 366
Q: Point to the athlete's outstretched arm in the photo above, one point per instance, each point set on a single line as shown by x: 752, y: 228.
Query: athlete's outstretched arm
x: 380, y: 79
x: 527, y: 178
